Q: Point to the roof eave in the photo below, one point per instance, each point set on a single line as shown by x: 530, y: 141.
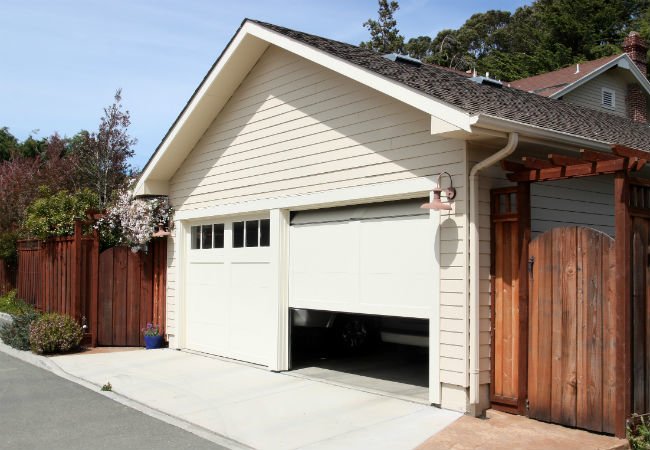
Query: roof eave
x: 605, y: 67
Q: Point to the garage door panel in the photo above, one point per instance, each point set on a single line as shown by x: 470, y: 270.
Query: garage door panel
x: 207, y: 322
x: 334, y: 288
x: 368, y: 264
x: 251, y: 306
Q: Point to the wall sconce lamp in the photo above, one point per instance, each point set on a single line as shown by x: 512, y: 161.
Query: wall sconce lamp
x: 450, y: 193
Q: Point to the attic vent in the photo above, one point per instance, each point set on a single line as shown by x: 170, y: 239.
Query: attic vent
x: 487, y: 80
x: 608, y: 98
x: 403, y: 59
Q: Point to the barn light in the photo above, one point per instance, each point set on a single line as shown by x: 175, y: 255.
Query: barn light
x: 450, y: 193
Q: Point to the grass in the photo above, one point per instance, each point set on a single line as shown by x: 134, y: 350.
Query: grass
x: 10, y: 304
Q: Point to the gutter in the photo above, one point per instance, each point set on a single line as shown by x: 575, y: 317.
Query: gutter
x: 474, y: 285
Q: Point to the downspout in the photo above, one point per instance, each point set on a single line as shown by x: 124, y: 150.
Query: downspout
x: 474, y: 285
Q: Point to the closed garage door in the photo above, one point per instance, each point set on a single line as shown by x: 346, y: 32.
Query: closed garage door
x: 227, y: 295
x: 370, y: 259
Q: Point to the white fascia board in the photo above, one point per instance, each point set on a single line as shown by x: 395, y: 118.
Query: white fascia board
x: 412, y: 97
x: 192, y: 113
x: 393, y: 190
x: 491, y: 123
x: 623, y: 61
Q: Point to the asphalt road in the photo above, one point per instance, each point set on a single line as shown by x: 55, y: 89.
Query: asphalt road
x: 39, y: 410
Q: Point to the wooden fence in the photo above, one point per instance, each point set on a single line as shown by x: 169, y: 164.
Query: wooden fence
x: 131, y: 293
x: 66, y: 275
x: 7, y: 277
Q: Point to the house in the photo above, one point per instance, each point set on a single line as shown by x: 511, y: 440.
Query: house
x: 617, y: 84
x: 297, y: 170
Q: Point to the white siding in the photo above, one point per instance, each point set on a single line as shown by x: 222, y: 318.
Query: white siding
x: 294, y: 128
x: 590, y: 93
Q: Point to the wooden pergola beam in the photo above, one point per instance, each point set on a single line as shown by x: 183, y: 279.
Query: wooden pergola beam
x: 562, y: 160
x: 576, y: 170
x: 535, y: 163
x: 629, y: 152
x: 592, y: 155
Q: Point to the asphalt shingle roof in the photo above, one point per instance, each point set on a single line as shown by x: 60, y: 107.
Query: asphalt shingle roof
x: 549, y: 83
x: 501, y: 102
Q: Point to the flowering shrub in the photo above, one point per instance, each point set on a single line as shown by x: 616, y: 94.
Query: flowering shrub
x: 132, y: 221
x: 151, y: 330
x: 54, y: 333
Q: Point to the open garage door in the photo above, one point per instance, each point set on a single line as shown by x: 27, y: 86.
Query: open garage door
x: 370, y: 259
x: 228, y: 281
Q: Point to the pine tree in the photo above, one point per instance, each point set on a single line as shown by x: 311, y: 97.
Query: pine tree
x: 384, y: 35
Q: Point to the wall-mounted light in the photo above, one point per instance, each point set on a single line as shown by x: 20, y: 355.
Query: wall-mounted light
x: 450, y: 193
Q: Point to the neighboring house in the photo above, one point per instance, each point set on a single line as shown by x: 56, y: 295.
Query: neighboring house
x: 617, y: 84
x: 296, y: 171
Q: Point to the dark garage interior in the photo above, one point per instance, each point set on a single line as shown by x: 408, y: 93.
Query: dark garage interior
x: 387, y: 355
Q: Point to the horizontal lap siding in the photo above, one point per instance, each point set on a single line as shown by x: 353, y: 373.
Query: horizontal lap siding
x: 578, y: 202
x: 590, y: 93
x: 295, y: 128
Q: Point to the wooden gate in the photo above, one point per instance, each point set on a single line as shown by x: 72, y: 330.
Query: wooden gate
x: 640, y: 223
x: 572, y: 360
x: 131, y: 293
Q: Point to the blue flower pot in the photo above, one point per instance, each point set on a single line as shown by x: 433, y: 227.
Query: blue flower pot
x: 151, y: 342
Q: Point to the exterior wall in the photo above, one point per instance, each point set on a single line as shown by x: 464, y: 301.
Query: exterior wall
x: 581, y: 201
x: 590, y: 93
x: 294, y: 129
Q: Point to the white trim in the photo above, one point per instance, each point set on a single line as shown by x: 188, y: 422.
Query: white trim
x: 377, y: 192
x: 435, y: 388
x: 612, y: 94
x: 623, y: 61
x: 180, y: 251
x: 483, y: 121
x: 280, y: 268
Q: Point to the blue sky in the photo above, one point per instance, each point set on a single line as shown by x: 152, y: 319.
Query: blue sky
x: 64, y: 59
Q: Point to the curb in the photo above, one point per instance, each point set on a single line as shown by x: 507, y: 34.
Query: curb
x: 49, y: 365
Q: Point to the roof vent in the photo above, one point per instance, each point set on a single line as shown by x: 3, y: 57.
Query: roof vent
x: 403, y: 59
x: 486, y: 80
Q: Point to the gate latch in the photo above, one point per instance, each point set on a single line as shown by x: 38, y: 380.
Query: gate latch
x: 531, y: 262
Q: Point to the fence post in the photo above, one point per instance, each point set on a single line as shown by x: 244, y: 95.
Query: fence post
x: 75, y: 282
x: 94, y: 288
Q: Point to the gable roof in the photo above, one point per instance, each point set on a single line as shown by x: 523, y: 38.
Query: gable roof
x: 499, y: 102
x: 559, y: 82
x: 445, y: 94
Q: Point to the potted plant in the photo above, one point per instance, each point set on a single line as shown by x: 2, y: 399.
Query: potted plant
x: 638, y: 431
x: 152, y: 337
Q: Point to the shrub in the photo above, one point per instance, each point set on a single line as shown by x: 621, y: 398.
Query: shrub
x: 55, y: 214
x: 17, y: 334
x: 8, y: 247
x: 638, y: 431
x: 10, y: 304
x: 55, y: 333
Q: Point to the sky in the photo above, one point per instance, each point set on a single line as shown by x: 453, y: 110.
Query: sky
x: 63, y: 60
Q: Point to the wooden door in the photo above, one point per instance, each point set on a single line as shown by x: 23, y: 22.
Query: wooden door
x: 509, y: 245
x: 572, y: 358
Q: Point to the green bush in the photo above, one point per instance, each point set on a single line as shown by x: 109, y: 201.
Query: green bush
x: 638, y: 431
x: 10, y: 304
x: 55, y: 214
x: 55, y: 333
x: 17, y: 334
x: 8, y: 247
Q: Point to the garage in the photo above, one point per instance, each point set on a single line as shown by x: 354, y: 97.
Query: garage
x: 228, y: 280
x: 362, y: 288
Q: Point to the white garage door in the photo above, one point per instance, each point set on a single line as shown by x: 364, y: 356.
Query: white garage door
x: 372, y: 259
x: 227, y: 292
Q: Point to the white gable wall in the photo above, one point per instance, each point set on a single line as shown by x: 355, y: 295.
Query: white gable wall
x: 294, y: 129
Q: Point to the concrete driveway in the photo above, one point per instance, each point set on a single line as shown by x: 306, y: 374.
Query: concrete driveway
x: 256, y: 407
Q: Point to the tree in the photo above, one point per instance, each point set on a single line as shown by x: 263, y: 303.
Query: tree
x: 384, y: 35
x: 101, y: 158
x: 8, y: 144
